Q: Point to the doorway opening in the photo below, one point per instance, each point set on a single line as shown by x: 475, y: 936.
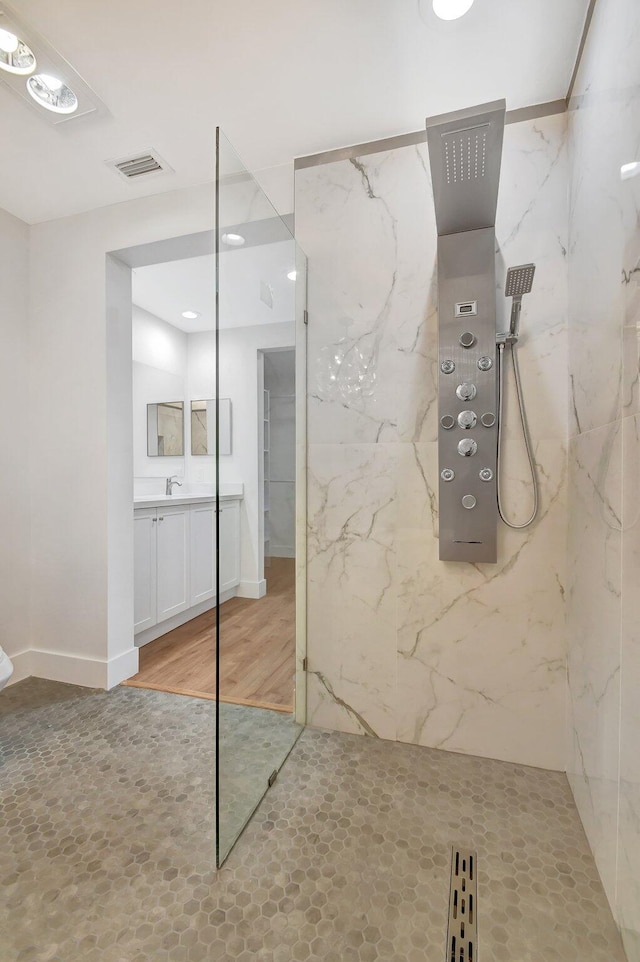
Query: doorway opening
x: 190, y: 328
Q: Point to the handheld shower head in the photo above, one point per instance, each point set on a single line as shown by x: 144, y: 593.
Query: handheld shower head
x: 519, y: 282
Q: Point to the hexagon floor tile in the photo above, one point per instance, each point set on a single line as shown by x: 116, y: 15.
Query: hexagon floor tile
x: 107, y: 848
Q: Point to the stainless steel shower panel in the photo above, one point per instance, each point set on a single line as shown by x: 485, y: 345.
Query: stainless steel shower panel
x: 465, y: 150
x: 468, y: 439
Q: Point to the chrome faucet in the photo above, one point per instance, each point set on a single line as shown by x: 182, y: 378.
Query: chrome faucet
x: 170, y: 483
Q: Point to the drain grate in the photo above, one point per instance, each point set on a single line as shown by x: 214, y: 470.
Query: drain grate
x: 462, y: 930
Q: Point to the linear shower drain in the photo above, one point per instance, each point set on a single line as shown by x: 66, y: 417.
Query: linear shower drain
x: 462, y: 930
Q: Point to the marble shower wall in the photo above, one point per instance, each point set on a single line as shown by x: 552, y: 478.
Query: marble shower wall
x: 604, y: 456
x: 469, y: 658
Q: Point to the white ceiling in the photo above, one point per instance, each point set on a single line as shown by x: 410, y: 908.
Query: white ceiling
x: 284, y: 79
x: 248, y: 276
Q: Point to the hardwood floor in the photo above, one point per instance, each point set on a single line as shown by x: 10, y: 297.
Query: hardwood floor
x: 257, y: 649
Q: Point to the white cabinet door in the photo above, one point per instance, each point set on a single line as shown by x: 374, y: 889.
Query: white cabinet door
x: 144, y: 568
x: 229, y: 545
x: 173, y: 560
x: 203, y: 552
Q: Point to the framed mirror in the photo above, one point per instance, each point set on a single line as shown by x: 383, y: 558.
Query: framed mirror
x: 203, y: 426
x: 165, y: 429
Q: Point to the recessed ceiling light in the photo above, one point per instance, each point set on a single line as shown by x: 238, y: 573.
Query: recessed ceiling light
x: 451, y: 9
x: 630, y: 170
x: 15, y: 55
x: 52, y: 93
x: 190, y: 315
x: 233, y: 240
x: 292, y: 275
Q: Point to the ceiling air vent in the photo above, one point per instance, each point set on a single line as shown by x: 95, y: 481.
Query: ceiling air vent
x: 140, y: 165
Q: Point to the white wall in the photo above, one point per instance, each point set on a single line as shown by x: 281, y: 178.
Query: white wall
x: 201, y: 385
x: 239, y: 380
x: 159, y: 374
x: 280, y: 382
x: 81, y: 558
x: 16, y: 441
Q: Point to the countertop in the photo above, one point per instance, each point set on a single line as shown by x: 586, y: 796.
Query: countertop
x: 228, y: 492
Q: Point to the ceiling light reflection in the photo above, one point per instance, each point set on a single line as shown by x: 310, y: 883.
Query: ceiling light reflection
x: 627, y: 171
x: 451, y: 9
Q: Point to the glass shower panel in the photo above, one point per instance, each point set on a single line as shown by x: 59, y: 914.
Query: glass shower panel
x: 260, y: 361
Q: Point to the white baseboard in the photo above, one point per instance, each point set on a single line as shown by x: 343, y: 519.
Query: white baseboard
x: 252, y: 589
x: 74, y: 669
x: 121, y: 667
x: 21, y: 667
x: 282, y: 551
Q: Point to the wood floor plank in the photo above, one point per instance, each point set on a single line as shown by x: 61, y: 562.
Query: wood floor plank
x: 257, y: 649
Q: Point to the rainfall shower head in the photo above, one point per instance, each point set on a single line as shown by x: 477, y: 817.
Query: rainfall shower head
x: 519, y: 282
x: 465, y: 152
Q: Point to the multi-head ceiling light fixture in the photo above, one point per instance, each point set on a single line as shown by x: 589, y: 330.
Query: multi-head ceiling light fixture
x: 32, y: 69
x: 17, y: 57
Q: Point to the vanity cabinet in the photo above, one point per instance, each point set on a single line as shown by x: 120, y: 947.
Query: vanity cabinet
x: 203, y: 552
x: 175, y: 559
x: 144, y: 568
x: 229, y: 545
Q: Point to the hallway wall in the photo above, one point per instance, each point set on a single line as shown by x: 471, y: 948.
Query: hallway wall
x: 82, y: 561
x: 469, y: 658
x: 280, y: 382
x: 16, y: 442
x: 604, y: 456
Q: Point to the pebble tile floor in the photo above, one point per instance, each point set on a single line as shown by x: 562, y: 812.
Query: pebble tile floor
x: 107, y: 848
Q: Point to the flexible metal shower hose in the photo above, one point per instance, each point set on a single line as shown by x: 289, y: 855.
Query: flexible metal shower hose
x: 525, y: 433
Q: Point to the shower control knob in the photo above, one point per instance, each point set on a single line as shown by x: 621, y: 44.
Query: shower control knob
x: 467, y: 447
x: 488, y: 419
x: 448, y: 366
x: 466, y: 391
x: 469, y: 502
x: 447, y: 422
x: 486, y: 474
x: 467, y: 419
x: 485, y: 363
x: 467, y: 339
x: 447, y: 474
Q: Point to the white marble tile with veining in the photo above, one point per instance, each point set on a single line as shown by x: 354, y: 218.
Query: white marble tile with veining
x: 532, y: 227
x: 628, y: 875
x: 594, y: 613
x: 481, y: 647
x: 604, y: 125
x: 351, y: 587
x: 630, y: 279
x: 368, y: 228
